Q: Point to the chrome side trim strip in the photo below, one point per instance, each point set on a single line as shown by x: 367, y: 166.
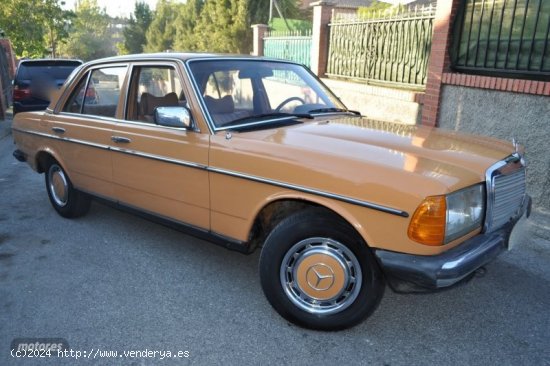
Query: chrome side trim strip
x: 54, y: 137
x: 316, y: 192
x: 231, y: 173
x: 160, y: 158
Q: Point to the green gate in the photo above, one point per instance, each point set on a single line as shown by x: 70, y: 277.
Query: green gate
x: 294, y: 46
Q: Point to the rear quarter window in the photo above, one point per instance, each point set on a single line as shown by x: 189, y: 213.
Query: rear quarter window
x: 53, y: 70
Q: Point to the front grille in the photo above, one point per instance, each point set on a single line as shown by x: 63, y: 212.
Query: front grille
x: 506, y: 192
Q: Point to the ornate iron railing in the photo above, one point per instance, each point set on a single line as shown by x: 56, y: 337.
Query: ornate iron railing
x: 503, y: 38
x: 294, y: 46
x: 391, y: 47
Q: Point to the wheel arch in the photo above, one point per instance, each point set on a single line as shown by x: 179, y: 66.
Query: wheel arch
x: 44, y: 156
x: 276, y: 207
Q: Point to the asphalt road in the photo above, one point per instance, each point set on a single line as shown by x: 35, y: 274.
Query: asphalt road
x: 113, y: 281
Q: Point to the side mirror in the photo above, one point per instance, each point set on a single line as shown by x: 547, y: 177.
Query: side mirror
x: 178, y: 117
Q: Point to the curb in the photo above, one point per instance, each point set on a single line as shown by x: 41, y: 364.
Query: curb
x: 539, y: 224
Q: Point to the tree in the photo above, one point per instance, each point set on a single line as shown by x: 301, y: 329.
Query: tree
x: 134, y: 33
x: 161, y: 32
x: 187, y: 38
x: 89, y: 37
x: 56, y: 23
x: 211, y: 25
x: 35, y: 27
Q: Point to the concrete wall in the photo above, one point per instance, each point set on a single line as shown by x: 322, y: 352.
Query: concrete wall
x: 505, y: 115
x: 386, y: 104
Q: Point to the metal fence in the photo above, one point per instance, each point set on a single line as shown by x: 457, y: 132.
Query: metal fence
x: 294, y: 46
x: 503, y: 38
x: 389, y: 47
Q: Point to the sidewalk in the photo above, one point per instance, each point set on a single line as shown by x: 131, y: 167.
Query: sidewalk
x: 5, y: 125
x: 539, y: 224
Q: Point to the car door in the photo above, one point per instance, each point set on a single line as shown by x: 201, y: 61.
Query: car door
x: 84, y: 126
x: 158, y: 169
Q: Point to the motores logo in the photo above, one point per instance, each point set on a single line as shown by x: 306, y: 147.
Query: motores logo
x: 39, y: 344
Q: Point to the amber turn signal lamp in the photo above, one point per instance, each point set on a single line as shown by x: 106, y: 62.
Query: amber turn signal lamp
x: 427, y: 225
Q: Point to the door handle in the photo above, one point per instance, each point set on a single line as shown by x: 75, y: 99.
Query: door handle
x: 58, y: 129
x: 119, y: 139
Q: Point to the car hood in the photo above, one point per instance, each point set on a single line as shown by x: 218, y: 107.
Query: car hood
x: 362, y: 158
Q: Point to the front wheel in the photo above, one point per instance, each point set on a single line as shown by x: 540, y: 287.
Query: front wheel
x: 318, y: 273
x: 67, y: 201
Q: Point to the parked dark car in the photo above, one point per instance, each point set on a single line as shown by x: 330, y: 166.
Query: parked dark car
x: 36, y: 79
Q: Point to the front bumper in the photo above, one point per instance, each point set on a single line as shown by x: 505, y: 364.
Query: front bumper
x: 450, y: 267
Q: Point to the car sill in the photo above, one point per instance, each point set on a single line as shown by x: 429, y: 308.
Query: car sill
x: 218, y: 239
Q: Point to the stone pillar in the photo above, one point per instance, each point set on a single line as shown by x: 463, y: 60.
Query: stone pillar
x: 5, y: 93
x: 6, y: 44
x: 258, y: 39
x: 439, y: 59
x: 322, y: 14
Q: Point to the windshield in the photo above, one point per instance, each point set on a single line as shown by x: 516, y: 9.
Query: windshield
x: 241, y: 93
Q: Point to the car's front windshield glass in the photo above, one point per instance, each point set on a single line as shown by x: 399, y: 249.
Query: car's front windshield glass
x: 243, y: 93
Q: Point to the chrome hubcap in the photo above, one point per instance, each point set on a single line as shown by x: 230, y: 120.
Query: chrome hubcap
x: 58, y: 185
x: 321, y: 276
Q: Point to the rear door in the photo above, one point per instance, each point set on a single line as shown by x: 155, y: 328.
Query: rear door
x: 84, y: 126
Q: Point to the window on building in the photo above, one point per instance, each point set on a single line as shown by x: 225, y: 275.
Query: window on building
x: 503, y: 38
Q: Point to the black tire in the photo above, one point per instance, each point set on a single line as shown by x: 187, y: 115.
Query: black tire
x: 317, y: 231
x: 65, y: 199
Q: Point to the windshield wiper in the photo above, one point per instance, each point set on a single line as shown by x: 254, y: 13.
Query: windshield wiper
x: 259, y: 117
x: 331, y: 110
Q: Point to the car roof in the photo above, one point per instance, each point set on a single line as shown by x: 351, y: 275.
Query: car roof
x: 49, y: 61
x: 183, y: 56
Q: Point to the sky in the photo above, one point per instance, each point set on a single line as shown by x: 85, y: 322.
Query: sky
x: 121, y: 8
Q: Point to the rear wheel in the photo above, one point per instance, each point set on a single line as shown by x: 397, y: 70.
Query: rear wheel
x: 318, y: 273
x: 67, y: 201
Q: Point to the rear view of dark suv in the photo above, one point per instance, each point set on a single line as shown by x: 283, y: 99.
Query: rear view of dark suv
x: 36, y: 79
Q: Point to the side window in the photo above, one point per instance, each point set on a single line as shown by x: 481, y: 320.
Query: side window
x: 152, y: 87
x: 75, y: 101
x: 103, y: 91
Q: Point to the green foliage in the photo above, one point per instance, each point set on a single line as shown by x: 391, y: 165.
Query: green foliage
x: 374, y: 9
x: 223, y: 23
x: 279, y: 25
x: 35, y: 27
x: 88, y: 35
x: 162, y: 30
x: 187, y: 38
x: 212, y: 25
x: 259, y: 10
x: 134, y: 33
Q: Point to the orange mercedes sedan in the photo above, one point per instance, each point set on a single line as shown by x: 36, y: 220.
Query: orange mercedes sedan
x: 257, y: 153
